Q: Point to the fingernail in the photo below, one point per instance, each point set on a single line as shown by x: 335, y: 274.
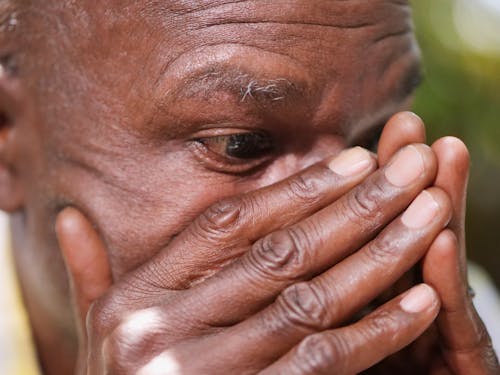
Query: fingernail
x: 407, y: 167
x: 421, y: 212
x: 351, y: 162
x: 418, y: 299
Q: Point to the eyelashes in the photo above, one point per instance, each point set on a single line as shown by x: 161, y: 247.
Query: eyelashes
x: 242, y: 146
x: 237, y: 152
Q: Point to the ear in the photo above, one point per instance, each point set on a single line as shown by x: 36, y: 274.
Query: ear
x: 11, y: 195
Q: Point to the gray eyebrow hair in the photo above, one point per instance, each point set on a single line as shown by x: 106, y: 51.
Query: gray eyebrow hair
x: 8, y: 25
x: 8, y: 16
x: 242, y: 84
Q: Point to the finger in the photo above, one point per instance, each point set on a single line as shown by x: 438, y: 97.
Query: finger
x: 334, y: 296
x: 85, y: 258
x: 355, y: 348
x: 225, y: 230
x: 453, y: 172
x: 314, y: 244
x: 402, y: 129
x: 466, y: 344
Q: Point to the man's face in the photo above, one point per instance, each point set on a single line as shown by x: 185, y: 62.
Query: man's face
x: 144, y: 113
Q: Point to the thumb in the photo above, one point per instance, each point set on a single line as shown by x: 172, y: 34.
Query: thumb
x: 86, y: 261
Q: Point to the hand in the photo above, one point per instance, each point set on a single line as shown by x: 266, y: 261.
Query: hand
x: 265, y: 281
x: 459, y: 342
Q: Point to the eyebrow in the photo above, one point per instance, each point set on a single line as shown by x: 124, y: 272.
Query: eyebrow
x: 248, y: 87
x: 8, y: 17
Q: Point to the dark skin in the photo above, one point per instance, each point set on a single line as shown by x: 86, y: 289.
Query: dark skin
x: 118, y: 128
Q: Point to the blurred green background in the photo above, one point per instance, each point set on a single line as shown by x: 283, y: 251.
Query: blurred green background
x: 460, y: 41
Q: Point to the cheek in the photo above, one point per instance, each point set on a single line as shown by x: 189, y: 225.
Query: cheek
x: 137, y: 225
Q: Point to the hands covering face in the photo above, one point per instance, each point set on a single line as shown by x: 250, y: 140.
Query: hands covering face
x: 273, y: 281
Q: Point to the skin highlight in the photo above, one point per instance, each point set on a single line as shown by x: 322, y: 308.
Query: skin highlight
x: 112, y: 98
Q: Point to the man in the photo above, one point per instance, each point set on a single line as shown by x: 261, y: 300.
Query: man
x: 188, y: 154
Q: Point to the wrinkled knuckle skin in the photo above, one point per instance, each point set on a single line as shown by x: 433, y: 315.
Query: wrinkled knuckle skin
x: 220, y: 219
x: 383, y: 323
x: 280, y: 256
x: 322, y: 354
x: 385, y: 248
x: 364, y: 205
x: 305, y: 189
x: 105, y: 314
x: 302, y: 305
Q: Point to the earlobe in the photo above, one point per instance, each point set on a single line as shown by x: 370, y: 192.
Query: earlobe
x: 11, y: 196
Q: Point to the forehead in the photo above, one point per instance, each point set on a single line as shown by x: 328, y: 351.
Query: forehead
x: 146, y: 54
x: 282, y: 26
x: 100, y: 28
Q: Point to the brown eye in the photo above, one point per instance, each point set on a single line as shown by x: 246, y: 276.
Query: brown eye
x: 244, y: 146
x: 235, y: 151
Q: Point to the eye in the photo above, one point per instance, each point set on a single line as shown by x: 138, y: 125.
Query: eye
x: 240, y: 146
x: 236, y: 152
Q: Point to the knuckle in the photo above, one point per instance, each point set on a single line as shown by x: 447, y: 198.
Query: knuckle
x: 322, y: 353
x: 304, y: 189
x: 303, y: 305
x: 364, y: 205
x: 220, y: 218
x: 382, y: 323
x: 118, y: 355
x: 384, y: 249
x: 105, y: 313
x: 134, y: 336
x: 281, y: 255
x: 112, y: 351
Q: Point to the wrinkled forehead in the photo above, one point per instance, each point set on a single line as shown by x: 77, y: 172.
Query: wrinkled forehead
x: 320, y: 13
x: 273, y: 24
x: 93, y: 27
x: 151, y: 47
x: 334, y: 13
x: 107, y: 28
